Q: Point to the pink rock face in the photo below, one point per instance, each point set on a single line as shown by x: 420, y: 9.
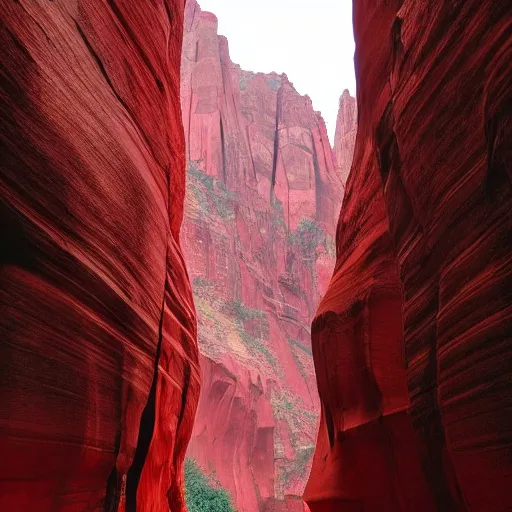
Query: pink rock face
x: 412, y: 341
x: 98, y: 359
x: 263, y: 195
x: 345, y: 136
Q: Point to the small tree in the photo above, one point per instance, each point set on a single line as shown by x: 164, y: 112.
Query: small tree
x: 307, y: 236
x: 201, y: 494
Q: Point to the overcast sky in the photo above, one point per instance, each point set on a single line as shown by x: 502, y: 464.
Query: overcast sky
x: 311, y: 41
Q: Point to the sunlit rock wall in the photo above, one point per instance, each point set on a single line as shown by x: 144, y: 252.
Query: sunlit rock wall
x: 262, y: 200
x: 345, y: 135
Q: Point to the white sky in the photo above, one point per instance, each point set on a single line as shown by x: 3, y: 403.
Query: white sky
x: 310, y: 40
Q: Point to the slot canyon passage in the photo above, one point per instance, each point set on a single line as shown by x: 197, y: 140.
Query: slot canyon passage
x: 408, y: 359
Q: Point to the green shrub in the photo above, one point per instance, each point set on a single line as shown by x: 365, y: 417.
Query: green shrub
x: 286, y: 404
x: 244, y: 80
x: 256, y: 344
x: 223, y: 201
x: 283, y: 407
x: 307, y: 236
x: 200, y: 175
x: 202, y: 282
x: 244, y: 312
x: 298, y: 344
x: 300, y: 465
x: 274, y: 83
x: 217, y: 193
x: 201, y: 494
x: 278, y: 214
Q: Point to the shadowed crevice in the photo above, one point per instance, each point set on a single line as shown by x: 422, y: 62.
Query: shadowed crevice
x: 147, y: 424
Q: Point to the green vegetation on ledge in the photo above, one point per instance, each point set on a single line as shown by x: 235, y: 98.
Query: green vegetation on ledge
x: 202, y: 282
x: 278, y: 213
x: 307, y: 237
x: 202, y: 494
x: 283, y: 405
x: 300, y: 465
x: 245, y: 313
x: 242, y: 314
x: 217, y: 194
x: 256, y: 344
x: 298, y: 344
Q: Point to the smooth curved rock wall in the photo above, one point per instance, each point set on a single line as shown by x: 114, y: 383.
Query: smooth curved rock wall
x: 412, y: 342
x: 98, y: 363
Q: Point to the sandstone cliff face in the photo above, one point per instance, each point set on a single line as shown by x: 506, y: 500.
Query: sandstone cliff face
x: 263, y: 194
x: 98, y: 363
x: 345, y: 135
x: 412, y: 339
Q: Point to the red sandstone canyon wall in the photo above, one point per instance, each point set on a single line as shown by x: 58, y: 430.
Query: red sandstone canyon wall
x: 412, y: 341
x: 263, y: 193
x: 99, y: 364
x: 345, y: 135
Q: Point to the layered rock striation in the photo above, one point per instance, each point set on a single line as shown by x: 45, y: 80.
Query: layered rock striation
x: 98, y: 362
x: 263, y: 194
x: 412, y: 340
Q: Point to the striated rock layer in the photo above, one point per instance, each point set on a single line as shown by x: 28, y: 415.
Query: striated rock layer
x: 98, y: 363
x: 262, y: 197
x: 412, y: 341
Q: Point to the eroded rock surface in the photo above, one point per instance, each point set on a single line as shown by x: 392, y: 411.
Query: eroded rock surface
x: 98, y: 363
x: 263, y: 195
x: 345, y: 135
x: 412, y: 340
